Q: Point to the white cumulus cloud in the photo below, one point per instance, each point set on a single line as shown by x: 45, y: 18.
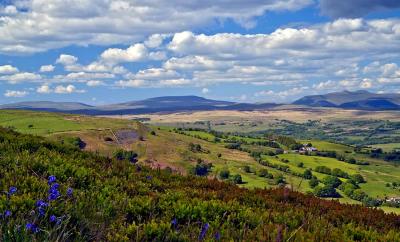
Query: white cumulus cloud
x: 11, y: 93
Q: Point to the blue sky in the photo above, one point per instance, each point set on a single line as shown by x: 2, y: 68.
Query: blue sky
x: 102, y: 51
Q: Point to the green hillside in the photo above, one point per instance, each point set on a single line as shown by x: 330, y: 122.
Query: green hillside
x: 59, y: 193
x: 249, y: 161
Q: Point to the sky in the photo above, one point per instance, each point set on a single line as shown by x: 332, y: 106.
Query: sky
x: 110, y: 51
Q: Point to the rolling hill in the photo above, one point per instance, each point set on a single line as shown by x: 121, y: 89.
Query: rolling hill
x: 151, y: 105
x: 55, y: 192
x: 357, y: 100
x: 362, y: 100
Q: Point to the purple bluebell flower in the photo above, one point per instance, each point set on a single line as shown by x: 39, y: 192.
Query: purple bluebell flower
x: 70, y: 192
x: 217, y: 236
x: 12, y: 190
x: 149, y: 177
x: 53, y: 219
x: 55, y: 186
x: 53, y: 192
x: 42, y: 211
x: 32, y: 228
x: 51, y: 179
x: 7, y: 213
x: 174, y: 222
x: 204, y: 230
x: 54, y: 195
x: 41, y: 203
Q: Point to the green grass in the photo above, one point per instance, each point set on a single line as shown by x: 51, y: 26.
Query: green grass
x: 328, y: 146
x: 42, y: 123
x: 387, y: 147
x: 201, y: 134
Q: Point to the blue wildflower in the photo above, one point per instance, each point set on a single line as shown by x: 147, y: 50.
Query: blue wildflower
x: 53, y: 192
x: 174, y: 222
x: 217, y: 236
x: 53, y: 219
x: 7, y: 213
x: 149, y: 177
x: 204, y: 231
x: 32, y: 228
x: 54, y: 195
x: 70, y: 192
x: 12, y: 190
x: 41, y: 203
x: 52, y: 179
x: 42, y: 211
x: 55, y: 186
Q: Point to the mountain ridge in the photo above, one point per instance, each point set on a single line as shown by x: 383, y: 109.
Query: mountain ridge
x: 150, y: 105
x: 358, y: 100
x: 362, y: 100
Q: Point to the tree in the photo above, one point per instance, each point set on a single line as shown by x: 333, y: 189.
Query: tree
x: 301, y: 164
x: 332, y: 181
x: 371, y: 202
x: 307, y: 174
x: 202, y: 168
x: 339, y: 173
x: 313, y: 182
x: 357, y: 178
x: 247, y: 169
x: 237, y: 179
x: 358, y: 195
x: 352, y: 161
x: 224, y: 174
x: 326, y: 191
x: 323, y: 169
x: 262, y: 173
x: 348, y: 188
x: 280, y: 179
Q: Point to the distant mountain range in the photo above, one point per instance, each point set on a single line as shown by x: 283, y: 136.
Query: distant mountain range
x: 362, y: 100
x: 359, y: 100
x: 151, y: 105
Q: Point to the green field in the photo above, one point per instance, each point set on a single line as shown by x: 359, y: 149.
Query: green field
x: 42, y: 123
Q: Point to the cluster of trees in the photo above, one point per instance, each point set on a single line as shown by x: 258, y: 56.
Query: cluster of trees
x: 339, y: 173
x: 393, y: 156
x: 224, y: 174
x: 285, y: 140
x: 339, y: 157
x: 351, y: 189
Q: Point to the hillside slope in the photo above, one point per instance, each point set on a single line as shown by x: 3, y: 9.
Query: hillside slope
x: 56, y: 192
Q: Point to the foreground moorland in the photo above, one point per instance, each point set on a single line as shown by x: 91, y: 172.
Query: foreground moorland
x: 57, y: 192
x: 347, y: 173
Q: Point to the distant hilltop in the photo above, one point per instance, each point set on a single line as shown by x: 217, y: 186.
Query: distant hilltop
x: 362, y: 100
x: 358, y: 100
x: 151, y: 105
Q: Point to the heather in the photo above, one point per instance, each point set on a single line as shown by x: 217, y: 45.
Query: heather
x: 56, y: 192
